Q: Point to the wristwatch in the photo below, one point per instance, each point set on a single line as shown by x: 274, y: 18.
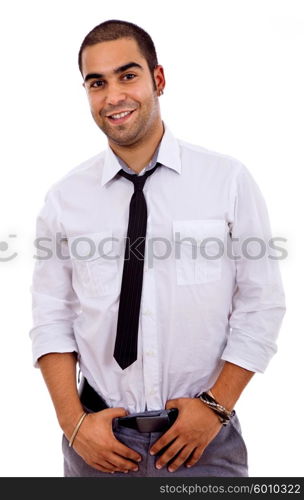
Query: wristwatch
x: 208, y: 399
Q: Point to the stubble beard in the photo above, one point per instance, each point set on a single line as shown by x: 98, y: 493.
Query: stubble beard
x: 124, y: 134
x: 129, y: 134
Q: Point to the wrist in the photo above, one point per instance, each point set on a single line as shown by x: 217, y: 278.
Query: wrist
x: 223, y: 414
x: 76, y: 428
x: 222, y: 398
x: 69, y: 421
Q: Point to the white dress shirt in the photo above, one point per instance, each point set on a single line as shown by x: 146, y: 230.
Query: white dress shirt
x: 197, y: 309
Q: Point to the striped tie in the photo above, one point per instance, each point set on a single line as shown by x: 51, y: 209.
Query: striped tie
x: 125, y: 351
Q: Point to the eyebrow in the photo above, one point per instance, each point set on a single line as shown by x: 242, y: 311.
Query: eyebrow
x: 120, y: 69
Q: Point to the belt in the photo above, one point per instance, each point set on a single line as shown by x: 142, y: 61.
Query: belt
x: 150, y: 421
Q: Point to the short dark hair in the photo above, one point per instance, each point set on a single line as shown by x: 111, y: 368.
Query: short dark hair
x: 114, y: 29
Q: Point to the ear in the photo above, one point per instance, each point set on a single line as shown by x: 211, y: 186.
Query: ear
x: 159, y: 78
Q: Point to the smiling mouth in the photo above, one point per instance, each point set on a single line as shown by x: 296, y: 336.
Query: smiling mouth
x: 120, y: 117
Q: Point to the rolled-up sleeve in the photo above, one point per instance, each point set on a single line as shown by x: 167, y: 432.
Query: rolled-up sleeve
x: 54, y: 302
x: 258, y: 303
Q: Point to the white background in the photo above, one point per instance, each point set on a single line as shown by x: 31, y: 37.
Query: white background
x: 235, y: 81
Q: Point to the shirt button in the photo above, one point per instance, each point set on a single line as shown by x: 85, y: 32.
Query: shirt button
x: 150, y: 353
x: 147, y: 312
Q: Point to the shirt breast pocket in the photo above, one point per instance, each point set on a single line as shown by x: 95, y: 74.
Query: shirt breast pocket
x: 95, y: 263
x: 199, y: 248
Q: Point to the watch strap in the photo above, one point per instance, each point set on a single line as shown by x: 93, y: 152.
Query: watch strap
x: 208, y: 399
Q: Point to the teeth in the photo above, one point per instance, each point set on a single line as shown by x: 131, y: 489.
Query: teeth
x: 120, y: 115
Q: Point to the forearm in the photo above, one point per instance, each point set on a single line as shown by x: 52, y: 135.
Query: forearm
x: 230, y: 384
x: 59, y: 373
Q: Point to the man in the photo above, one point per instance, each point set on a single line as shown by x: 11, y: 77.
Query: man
x: 156, y: 284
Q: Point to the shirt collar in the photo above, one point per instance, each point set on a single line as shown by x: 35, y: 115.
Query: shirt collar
x: 168, y: 156
x: 150, y: 165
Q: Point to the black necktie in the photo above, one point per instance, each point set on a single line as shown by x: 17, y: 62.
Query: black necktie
x: 125, y: 351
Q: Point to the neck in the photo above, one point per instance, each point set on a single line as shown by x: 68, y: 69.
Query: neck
x: 138, y: 155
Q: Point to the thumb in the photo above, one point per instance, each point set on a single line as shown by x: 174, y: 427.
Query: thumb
x: 171, y: 403
x: 118, y: 412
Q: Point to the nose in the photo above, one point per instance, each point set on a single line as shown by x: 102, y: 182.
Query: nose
x: 114, y: 95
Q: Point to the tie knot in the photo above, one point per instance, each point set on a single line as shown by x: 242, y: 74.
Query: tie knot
x: 138, y: 180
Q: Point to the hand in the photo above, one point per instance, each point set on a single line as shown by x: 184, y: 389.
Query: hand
x: 195, y: 427
x: 96, y: 443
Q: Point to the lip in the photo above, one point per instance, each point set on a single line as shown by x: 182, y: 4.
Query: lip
x: 121, y: 120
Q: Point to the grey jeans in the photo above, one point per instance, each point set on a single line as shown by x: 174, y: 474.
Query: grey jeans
x: 225, y: 456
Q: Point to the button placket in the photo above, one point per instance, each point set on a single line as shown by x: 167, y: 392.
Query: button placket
x: 150, y: 343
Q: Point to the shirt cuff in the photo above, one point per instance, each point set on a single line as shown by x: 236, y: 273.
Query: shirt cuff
x: 245, y: 351
x: 51, y: 338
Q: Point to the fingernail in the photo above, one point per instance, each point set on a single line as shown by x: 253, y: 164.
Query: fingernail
x: 152, y: 452
x: 188, y: 465
x: 158, y: 466
x: 135, y: 470
x: 138, y: 459
x: 170, y: 470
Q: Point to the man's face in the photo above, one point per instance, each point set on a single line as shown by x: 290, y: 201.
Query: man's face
x: 118, y: 80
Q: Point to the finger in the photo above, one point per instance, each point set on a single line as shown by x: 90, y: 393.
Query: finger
x: 194, y: 458
x: 108, y: 471
x: 108, y: 465
x: 115, y: 465
x: 182, y: 456
x: 124, y: 451
x: 169, y: 453
x: 104, y: 467
x: 164, y: 440
x: 121, y: 463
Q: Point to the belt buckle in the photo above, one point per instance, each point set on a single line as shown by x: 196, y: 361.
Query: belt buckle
x: 154, y: 423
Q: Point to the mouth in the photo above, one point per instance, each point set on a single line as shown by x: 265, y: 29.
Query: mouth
x: 122, y: 117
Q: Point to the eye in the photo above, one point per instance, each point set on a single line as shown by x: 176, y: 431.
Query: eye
x: 131, y: 75
x: 96, y: 84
